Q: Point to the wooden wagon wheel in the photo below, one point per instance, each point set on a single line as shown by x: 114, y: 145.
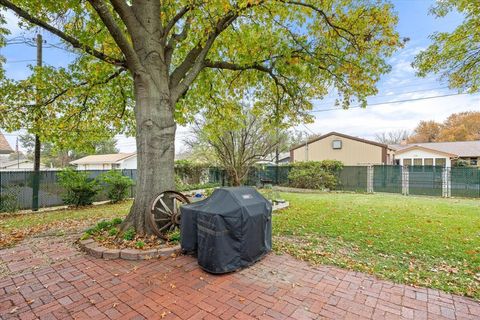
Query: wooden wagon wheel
x: 165, y: 212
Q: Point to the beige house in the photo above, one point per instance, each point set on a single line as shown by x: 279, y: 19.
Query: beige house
x: 347, y: 149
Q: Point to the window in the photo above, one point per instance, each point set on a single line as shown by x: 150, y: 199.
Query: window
x: 337, y: 144
x: 417, y: 161
x: 428, y: 162
x: 473, y: 161
x: 115, y: 165
x: 441, y: 162
x: 407, y: 162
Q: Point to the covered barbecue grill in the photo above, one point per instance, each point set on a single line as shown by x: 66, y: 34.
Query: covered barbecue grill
x: 229, y: 230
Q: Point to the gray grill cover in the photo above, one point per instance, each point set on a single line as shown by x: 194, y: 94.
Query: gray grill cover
x: 229, y: 230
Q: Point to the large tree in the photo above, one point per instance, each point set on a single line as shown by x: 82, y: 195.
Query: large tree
x: 455, y: 55
x: 462, y: 126
x: 237, y: 142
x: 158, y: 62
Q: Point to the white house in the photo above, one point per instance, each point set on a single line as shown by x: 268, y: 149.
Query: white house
x: 19, y: 165
x: 437, y: 153
x: 107, y: 161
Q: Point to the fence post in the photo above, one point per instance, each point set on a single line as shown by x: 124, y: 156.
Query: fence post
x: 405, y: 180
x: 370, y: 179
x: 446, y: 183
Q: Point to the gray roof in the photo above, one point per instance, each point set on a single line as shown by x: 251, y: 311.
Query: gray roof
x: 459, y: 148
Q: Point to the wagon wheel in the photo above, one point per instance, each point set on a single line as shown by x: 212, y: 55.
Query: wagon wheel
x: 165, y: 212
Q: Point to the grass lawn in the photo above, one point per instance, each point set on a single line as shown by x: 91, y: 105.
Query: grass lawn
x: 422, y: 241
x: 15, y: 227
x: 431, y: 242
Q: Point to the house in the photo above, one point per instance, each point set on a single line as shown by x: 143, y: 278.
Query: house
x: 444, y: 154
x: 19, y: 165
x: 348, y: 149
x: 283, y: 158
x: 4, y: 145
x: 107, y: 161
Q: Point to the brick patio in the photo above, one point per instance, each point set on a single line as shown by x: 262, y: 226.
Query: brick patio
x: 47, y: 278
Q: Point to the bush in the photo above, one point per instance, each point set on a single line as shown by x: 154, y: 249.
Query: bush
x: 79, y: 188
x: 315, y: 174
x: 117, y: 185
x: 9, y: 200
x: 129, y: 234
x: 190, y: 172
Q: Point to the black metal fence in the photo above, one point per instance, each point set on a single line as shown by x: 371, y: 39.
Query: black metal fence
x: 414, y: 180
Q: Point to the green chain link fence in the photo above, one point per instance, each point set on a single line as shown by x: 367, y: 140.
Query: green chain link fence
x: 419, y: 180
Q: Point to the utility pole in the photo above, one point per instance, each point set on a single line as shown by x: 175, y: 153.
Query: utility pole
x: 36, y: 161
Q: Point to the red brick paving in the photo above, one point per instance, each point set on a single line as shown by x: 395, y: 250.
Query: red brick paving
x: 49, y: 279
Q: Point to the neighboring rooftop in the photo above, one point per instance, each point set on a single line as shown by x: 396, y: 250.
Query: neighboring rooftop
x: 459, y: 148
x: 103, y: 158
x: 333, y: 133
x: 4, y: 146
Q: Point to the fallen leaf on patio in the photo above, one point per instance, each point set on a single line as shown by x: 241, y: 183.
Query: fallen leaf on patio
x: 172, y: 286
x: 241, y: 299
x: 30, y: 301
x: 14, y: 310
x: 92, y: 301
x: 201, y: 278
x: 115, y: 304
x: 163, y: 314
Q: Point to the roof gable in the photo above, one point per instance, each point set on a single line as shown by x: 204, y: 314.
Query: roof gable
x: 417, y: 147
x: 346, y: 136
x: 4, y: 145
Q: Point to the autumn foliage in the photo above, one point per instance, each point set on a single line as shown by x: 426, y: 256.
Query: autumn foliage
x: 463, y: 126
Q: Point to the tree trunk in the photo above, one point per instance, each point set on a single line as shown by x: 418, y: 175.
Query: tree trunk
x: 155, y: 135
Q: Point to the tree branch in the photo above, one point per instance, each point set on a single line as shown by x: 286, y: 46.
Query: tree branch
x: 116, y: 33
x: 175, y: 19
x: 126, y: 14
x: 191, y: 66
x: 71, y: 40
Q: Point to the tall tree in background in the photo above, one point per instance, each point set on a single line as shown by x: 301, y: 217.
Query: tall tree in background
x: 145, y: 65
x: 455, y: 55
x: 56, y: 157
x: 237, y: 143
x: 392, y: 137
x: 463, y: 126
x: 426, y: 131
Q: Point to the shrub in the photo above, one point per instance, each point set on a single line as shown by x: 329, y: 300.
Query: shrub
x: 190, y: 172
x: 315, y: 174
x: 116, y: 221
x: 79, y: 188
x: 9, y: 200
x: 129, y: 234
x: 103, y: 225
x: 113, y: 231
x: 174, y: 236
x: 117, y: 185
x: 139, y: 244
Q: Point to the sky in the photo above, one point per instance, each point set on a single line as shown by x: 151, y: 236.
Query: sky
x: 400, y: 84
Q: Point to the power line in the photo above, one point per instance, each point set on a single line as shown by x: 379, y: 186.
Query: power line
x: 387, y: 95
x: 390, y: 102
